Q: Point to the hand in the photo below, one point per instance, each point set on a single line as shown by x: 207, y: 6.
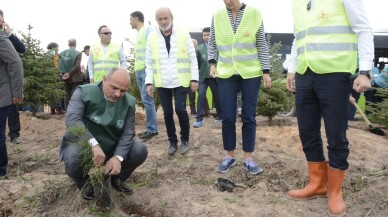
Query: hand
x: 65, y: 76
x: 150, y: 90
x: 193, y: 86
x: 113, y: 166
x: 213, y: 71
x: 361, y: 84
x: 7, y: 28
x: 290, y: 82
x: 267, y: 80
x: 352, y: 100
x: 98, y: 156
x: 17, y: 100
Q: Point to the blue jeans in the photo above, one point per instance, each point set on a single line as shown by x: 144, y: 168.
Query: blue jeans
x: 203, y: 85
x: 327, y: 96
x: 3, y: 147
x: 148, y: 102
x: 228, y: 89
x: 166, y: 98
x: 14, y: 122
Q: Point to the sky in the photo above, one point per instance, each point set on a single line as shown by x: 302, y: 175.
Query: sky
x: 58, y: 21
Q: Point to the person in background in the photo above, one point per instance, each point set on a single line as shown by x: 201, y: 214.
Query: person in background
x: 70, y: 67
x: 321, y: 64
x: 107, y: 112
x: 378, y: 81
x: 52, y: 52
x: 13, y: 114
x: 239, y: 59
x: 105, y: 55
x: 84, y: 64
x: 11, y: 89
x: 205, y: 81
x: 137, y: 22
x: 171, y: 65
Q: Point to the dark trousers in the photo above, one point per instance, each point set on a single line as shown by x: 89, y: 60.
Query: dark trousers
x: 193, y: 110
x: 72, y: 157
x: 69, y: 87
x: 14, y: 121
x: 327, y: 96
x: 202, y: 101
x: 3, y: 147
x: 228, y: 89
x: 166, y: 98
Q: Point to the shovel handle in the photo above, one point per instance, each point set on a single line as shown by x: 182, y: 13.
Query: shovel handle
x: 362, y: 113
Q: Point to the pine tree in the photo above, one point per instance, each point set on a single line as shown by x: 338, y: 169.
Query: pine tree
x: 380, y: 110
x: 275, y: 99
x: 42, y: 84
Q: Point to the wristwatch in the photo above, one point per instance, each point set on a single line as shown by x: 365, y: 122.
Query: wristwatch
x: 366, y: 73
x: 119, y: 157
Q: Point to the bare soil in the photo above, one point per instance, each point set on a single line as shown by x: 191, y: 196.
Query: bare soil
x: 185, y: 185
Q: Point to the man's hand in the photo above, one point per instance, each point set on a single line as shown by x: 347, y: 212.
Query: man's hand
x: 98, y: 156
x: 150, y: 90
x: 267, y: 80
x: 17, y: 101
x: 113, y: 166
x: 213, y: 71
x: 290, y: 82
x: 193, y: 86
x: 361, y: 84
x: 7, y: 28
x: 352, y: 100
x: 65, y: 76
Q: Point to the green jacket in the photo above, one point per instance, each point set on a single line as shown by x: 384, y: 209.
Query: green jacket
x: 203, y: 64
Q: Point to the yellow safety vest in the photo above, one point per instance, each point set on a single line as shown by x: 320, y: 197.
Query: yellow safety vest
x: 324, y: 39
x: 182, y: 64
x: 140, y: 49
x: 238, y: 52
x: 104, y: 62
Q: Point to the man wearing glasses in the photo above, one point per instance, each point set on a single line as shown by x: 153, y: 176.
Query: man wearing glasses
x: 104, y: 56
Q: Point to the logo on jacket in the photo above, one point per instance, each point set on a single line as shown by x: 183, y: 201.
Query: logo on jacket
x: 120, y: 124
x: 95, y: 118
x: 247, y: 34
x: 323, y: 15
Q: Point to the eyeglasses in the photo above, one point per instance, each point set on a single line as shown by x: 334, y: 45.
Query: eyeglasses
x: 106, y: 33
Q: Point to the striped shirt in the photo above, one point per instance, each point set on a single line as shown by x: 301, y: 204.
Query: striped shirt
x: 261, y: 42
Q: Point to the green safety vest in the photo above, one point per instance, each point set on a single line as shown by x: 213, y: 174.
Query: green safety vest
x: 324, y: 39
x: 182, y: 64
x: 105, y: 120
x: 67, y: 60
x: 104, y: 62
x: 238, y: 52
x: 140, y: 48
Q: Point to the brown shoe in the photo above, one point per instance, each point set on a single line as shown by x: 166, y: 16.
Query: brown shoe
x: 335, y: 178
x: 317, y: 183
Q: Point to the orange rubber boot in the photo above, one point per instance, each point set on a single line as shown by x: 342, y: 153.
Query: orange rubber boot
x: 337, y: 207
x: 317, y: 183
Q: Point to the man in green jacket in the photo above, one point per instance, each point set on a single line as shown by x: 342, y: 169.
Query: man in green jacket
x: 107, y: 112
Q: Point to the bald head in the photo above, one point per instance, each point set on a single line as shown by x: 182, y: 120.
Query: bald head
x: 116, y: 84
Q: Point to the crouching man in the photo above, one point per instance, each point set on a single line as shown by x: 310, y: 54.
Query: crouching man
x: 107, y: 113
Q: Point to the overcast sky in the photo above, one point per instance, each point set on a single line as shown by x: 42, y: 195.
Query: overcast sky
x: 59, y: 21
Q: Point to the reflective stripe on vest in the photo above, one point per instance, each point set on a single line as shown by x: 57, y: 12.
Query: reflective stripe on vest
x: 104, y: 62
x: 324, y: 39
x: 140, y: 49
x: 238, y: 52
x: 182, y: 64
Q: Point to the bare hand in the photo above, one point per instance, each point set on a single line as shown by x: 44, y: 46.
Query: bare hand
x: 98, y: 156
x: 290, y: 82
x: 7, y: 28
x: 150, y: 90
x: 213, y: 71
x: 361, y: 84
x: 113, y: 166
x: 193, y: 86
x: 352, y: 100
x: 65, y: 76
x: 267, y: 80
x: 17, y: 101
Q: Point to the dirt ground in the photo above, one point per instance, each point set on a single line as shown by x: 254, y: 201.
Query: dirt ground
x: 186, y: 185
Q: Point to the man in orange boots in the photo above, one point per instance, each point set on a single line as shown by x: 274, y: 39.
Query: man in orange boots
x: 329, y: 36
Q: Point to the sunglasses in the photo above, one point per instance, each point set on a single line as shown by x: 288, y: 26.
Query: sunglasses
x: 106, y: 33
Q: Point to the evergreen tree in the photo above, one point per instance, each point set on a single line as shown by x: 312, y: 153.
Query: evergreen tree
x: 42, y: 84
x: 275, y: 99
x: 380, y: 110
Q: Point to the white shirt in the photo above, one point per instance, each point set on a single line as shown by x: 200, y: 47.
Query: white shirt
x: 360, y: 25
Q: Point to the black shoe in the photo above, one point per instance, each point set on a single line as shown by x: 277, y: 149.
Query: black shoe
x: 120, y: 185
x: 184, y: 147
x: 147, y: 135
x: 88, y: 193
x: 172, y: 149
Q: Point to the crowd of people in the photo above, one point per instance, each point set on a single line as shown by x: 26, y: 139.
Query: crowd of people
x: 233, y: 60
